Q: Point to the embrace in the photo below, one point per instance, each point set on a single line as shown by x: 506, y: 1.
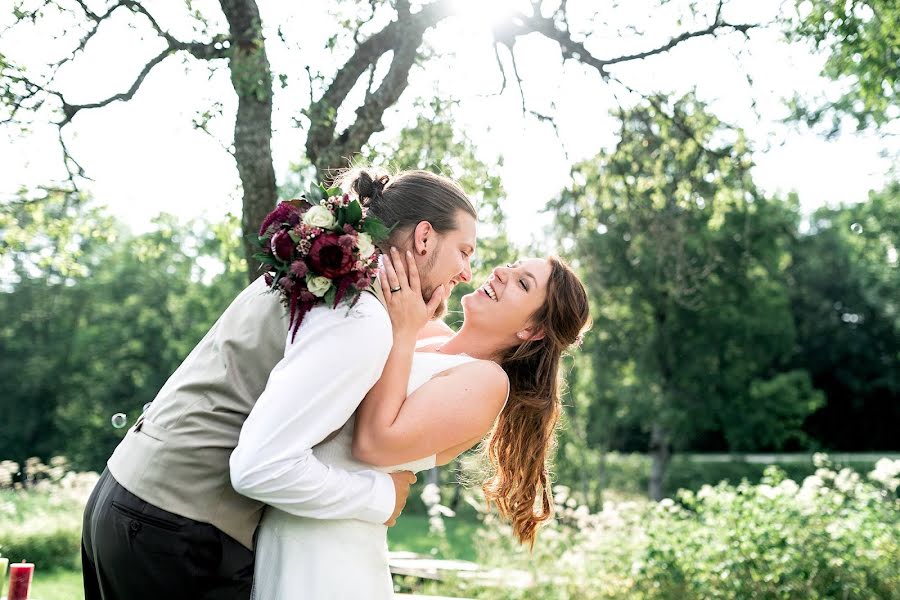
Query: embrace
x: 272, y: 462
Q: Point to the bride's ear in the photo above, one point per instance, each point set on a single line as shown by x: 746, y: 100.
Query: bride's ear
x: 529, y: 334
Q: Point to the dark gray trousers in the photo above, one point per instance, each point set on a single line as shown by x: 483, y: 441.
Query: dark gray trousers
x: 132, y: 550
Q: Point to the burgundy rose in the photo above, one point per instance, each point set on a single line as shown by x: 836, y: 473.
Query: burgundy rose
x: 328, y: 257
x: 283, y: 213
x: 283, y: 245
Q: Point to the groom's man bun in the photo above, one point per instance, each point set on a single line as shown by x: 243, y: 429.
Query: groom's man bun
x: 407, y: 198
x: 369, y: 185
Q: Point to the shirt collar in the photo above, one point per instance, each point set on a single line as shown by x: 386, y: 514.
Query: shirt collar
x: 375, y: 288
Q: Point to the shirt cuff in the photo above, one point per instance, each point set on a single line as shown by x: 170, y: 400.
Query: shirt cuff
x: 383, y: 499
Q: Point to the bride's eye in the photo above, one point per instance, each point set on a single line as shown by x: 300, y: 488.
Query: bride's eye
x: 523, y: 284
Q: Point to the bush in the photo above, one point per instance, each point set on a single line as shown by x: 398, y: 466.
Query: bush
x: 630, y: 473
x: 836, y: 535
x: 40, y: 516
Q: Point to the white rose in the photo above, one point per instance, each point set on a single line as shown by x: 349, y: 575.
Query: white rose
x: 317, y: 285
x: 365, y: 245
x: 319, y: 216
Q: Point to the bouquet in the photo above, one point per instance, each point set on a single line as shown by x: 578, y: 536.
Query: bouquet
x: 319, y: 249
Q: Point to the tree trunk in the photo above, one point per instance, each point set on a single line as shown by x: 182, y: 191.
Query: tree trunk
x: 660, y: 453
x: 602, y: 476
x: 252, y: 81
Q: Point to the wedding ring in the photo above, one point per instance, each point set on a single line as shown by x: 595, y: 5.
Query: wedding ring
x: 396, y: 289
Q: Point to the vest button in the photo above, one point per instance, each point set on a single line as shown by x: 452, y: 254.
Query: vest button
x: 135, y: 526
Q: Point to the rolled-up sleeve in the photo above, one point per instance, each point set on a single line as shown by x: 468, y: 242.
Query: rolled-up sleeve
x: 312, y: 392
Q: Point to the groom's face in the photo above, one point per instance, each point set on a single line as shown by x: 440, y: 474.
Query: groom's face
x: 448, y: 258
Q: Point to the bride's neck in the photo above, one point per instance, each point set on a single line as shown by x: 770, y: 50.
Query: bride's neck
x: 473, y: 343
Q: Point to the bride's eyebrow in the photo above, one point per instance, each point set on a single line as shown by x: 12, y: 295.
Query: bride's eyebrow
x: 527, y: 273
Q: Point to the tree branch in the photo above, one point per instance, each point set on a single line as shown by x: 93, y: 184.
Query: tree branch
x: 403, y: 36
x: 70, y: 110
x: 571, y: 49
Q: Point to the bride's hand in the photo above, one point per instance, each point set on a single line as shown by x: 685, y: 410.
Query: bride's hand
x: 408, y: 310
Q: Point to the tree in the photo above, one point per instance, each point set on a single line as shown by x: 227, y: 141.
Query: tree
x: 102, y: 318
x: 862, y: 42
x: 844, y: 289
x: 684, y: 262
x: 243, y: 50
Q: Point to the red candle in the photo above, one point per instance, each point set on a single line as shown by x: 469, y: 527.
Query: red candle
x: 20, y: 580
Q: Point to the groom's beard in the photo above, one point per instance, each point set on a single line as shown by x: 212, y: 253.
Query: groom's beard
x: 441, y: 310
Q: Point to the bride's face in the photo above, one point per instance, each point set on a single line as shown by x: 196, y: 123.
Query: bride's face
x: 504, y: 304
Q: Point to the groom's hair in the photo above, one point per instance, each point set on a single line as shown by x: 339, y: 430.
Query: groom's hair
x: 407, y: 198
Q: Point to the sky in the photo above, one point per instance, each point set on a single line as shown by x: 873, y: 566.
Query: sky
x: 145, y: 157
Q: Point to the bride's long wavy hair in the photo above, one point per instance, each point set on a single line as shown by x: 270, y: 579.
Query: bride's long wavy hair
x: 519, y: 447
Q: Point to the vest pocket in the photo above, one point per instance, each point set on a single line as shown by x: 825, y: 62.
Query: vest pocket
x: 152, y: 430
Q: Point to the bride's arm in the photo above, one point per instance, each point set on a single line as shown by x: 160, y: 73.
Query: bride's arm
x: 445, y: 416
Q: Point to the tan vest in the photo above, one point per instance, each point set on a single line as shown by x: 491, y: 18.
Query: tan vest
x: 176, y: 455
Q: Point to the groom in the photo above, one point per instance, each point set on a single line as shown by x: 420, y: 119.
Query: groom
x: 170, y: 519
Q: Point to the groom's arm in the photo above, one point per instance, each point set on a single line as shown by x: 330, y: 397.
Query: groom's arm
x: 311, y: 393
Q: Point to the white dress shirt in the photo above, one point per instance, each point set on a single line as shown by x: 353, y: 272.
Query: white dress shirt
x: 335, y: 359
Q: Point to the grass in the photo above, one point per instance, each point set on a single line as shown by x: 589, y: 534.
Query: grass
x: 57, y: 585
x: 410, y: 534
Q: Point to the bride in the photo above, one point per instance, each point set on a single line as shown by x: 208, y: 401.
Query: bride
x: 440, y: 393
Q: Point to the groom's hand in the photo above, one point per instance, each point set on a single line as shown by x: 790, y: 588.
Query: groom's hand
x: 402, y: 481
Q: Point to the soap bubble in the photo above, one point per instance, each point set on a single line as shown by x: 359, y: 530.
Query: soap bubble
x: 856, y: 228
x: 119, y: 420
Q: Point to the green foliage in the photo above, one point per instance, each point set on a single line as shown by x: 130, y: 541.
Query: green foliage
x: 685, y: 261
x: 862, y: 42
x: 845, y: 285
x: 41, y: 523
x: 594, y: 476
x: 833, y: 536
x: 102, y: 319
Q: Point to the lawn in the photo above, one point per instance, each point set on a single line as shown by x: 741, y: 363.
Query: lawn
x: 410, y: 533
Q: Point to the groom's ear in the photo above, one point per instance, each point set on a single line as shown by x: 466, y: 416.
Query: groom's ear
x: 424, y: 238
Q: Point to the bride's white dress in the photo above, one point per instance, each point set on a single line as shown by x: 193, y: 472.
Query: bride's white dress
x: 313, y: 559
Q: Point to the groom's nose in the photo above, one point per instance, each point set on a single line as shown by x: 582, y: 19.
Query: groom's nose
x: 466, y: 274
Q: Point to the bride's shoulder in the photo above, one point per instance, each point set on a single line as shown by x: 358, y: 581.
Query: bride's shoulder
x: 485, y: 376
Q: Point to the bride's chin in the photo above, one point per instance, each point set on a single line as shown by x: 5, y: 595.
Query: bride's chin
x: 470, y: 303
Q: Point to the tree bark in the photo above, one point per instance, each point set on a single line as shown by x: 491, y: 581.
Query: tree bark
x: 660, y: 453
x: 251, y: 77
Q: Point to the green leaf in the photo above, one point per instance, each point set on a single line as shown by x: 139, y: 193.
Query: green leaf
x: 378, y: 230
x: 330, y: 296
x: 266, y: 259
x: 353, y: 213
x: 315, y: 194
x: 332, y: 191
